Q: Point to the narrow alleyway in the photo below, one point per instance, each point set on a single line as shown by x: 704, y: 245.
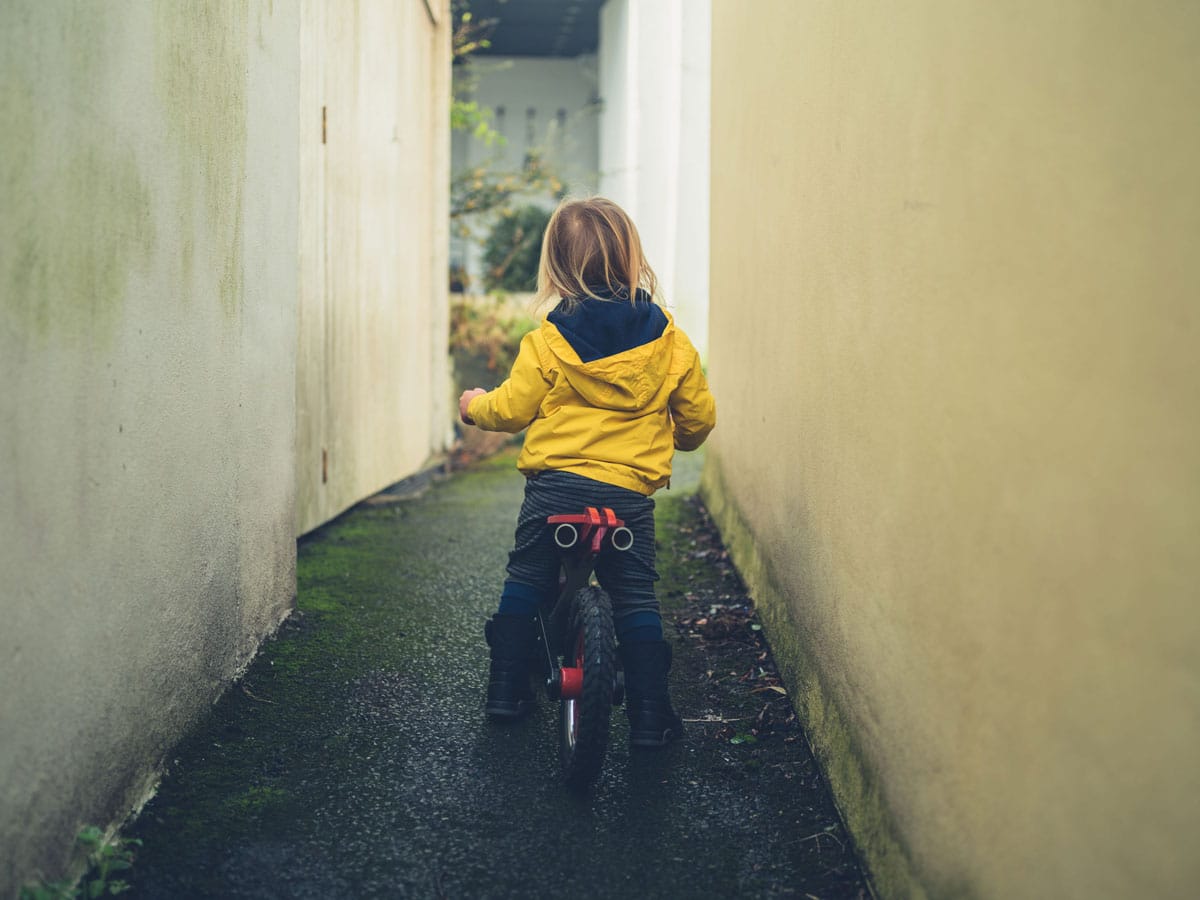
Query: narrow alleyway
x: 354, y: 760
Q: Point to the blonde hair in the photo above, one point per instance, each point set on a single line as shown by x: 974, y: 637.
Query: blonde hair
x: 592, y: 245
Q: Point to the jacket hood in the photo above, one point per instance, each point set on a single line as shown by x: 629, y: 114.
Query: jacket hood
x: 615, y: 354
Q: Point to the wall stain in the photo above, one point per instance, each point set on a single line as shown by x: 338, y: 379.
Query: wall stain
x: 856, y: 784
x: 200, y: 77
x: 78, y: 217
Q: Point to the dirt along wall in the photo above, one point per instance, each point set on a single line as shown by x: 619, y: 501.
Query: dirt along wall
x: 373, y: 396
x: 953, y: 335
x: 148, y: 265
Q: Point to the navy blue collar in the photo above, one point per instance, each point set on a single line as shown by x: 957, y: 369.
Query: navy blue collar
x: 605, y: 327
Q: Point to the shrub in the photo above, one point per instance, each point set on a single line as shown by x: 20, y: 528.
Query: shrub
x: 106, y: 860
x: 484, y: 339
x: 512, y: 250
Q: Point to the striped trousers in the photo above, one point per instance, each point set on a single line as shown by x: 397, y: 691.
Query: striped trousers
x: 628, y: 577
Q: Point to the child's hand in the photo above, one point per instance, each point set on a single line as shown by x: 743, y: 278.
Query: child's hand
x: 465, y: 400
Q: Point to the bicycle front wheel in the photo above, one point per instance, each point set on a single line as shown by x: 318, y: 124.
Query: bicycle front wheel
x: 584, y: 720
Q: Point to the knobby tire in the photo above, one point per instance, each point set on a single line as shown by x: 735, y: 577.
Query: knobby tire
x: 592, y: 633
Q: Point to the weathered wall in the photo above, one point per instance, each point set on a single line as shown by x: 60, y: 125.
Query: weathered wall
x: 954, y: 339
x: 373, y: 396
x: 148, y: 264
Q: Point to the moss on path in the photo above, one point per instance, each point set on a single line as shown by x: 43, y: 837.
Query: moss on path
x: 353, y: 760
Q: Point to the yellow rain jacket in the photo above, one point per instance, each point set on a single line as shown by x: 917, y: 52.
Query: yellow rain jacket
x: 617, y: 418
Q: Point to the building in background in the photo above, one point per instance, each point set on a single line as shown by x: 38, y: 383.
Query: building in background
x: 538, y: 80
x: 616, y: 95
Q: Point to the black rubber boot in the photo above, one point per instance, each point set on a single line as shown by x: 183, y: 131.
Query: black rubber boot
x: 509, y: 694
x: 652, y: 720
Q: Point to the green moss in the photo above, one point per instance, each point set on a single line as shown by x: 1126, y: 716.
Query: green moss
x: 200, y: 69
x: 79, y: 218
x: 855, y: 786
x: 364, y: 713
x: 78, y: 213
x: 318, y: 599
x: 255, y: 801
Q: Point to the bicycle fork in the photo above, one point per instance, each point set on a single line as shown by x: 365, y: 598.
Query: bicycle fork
x: 563, y: 682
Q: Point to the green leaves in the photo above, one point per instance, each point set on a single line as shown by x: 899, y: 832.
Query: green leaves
x: 492, y: 188
x: 55, y: 890
x: 104, y: 858
x: 513, y: 248
x: 470, y: 34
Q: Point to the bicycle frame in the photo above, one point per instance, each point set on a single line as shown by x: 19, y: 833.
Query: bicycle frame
x: 580, y: 537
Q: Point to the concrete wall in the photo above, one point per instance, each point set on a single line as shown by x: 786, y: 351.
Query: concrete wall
x: 954, y: 340
x: 373, y: 396
x: 654, y: 157
x: 171, y: 187
x: 148, y: 263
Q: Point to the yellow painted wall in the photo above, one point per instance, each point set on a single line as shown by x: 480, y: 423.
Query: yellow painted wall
x: 148, y: 265
x: 955, y: 292
x: 373, y: 396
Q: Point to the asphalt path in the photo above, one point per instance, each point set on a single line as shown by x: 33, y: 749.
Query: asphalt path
x: 353, y: 760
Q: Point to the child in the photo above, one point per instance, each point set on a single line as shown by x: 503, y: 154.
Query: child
x: 608, y: 388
